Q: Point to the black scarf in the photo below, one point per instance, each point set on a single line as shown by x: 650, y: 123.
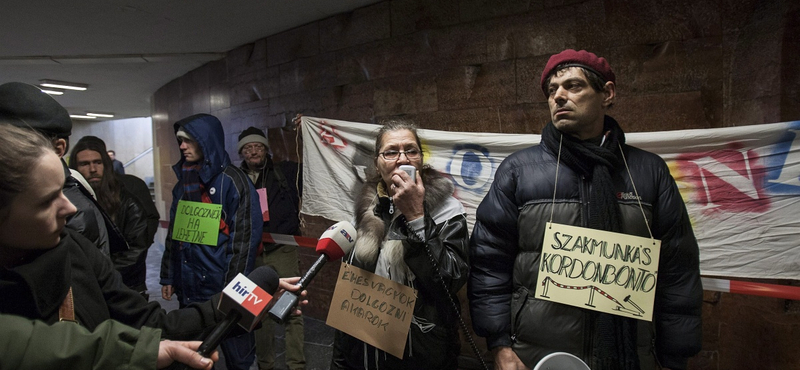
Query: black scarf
x: 614, y: 337
x: 192, y: 186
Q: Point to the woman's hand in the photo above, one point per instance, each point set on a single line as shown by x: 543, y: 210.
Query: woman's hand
x: 408, y: 195
x: 290, y: 284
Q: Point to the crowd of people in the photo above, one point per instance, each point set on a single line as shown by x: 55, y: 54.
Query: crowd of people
x: 74, y: 236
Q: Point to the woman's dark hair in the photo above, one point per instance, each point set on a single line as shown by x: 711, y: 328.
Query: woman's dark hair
x: 20, y: 151
x: 389, y: 125
x: 597, y: 82
x: 394, y: 124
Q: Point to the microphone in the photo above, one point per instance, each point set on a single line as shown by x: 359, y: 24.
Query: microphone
x: 334, y: 243
x: 244, y: 302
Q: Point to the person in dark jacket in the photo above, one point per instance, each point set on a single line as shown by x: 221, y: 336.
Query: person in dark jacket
x: 119, y: 168
x: 403, y: 227
x: 602, y: 184
x: 196, y: 271
x: 32, y: 344
x: 90, y: 159
x: 27, y: 107
x: 139, y: 189
x: 278, y: 186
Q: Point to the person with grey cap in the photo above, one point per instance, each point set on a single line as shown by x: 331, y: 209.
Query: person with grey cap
x: 26, y: 106
x: 194, y: 268
x: 582, y: 174
x: 279, y: 185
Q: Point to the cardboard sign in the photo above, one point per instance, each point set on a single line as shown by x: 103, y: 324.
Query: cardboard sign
x: 373, y: 309
x: 197, y: 222
x: 599, y: 270
x: 262, y: 200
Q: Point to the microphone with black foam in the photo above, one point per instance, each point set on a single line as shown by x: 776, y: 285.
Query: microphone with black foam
x: 244, y: 302
x: 334, y: 243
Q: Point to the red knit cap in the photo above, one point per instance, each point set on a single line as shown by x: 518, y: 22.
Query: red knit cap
x: 581, y: 58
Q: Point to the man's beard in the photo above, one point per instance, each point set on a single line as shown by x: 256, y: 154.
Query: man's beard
x: 95, y: 184
x: 255, y: 166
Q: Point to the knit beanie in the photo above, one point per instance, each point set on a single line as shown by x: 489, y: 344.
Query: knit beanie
x: 183, y: 134
x: 251, y: 135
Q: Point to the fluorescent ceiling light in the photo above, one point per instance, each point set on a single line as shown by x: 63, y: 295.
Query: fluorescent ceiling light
x: 102, y: 115
x: 52, y: 92
x: 81, y: 116
x: 64, y: 85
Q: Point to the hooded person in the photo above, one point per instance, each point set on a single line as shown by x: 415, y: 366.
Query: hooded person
x: 194, y: 267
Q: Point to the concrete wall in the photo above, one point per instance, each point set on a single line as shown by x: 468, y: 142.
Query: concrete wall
x: 470, y: 65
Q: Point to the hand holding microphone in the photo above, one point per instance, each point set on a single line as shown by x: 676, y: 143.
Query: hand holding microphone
x: 244, y: 302
x: 333, y: 244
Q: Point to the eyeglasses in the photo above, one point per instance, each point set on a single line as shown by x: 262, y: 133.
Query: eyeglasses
x: 393, y: 155
x: 257, y: 148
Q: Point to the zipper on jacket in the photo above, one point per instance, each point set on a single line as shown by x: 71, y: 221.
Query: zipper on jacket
x: 585, y: 189
x: 391, y: 206
x: 524, y: 298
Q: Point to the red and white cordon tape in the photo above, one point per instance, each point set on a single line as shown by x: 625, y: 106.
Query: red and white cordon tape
x: 301, y: 241
x: 746, y: 287
x: 717, y: 285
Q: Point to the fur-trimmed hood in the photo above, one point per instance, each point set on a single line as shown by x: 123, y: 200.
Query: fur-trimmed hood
x: 372, y: 219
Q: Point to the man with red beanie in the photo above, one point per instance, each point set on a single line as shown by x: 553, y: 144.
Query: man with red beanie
x: 586, y: 150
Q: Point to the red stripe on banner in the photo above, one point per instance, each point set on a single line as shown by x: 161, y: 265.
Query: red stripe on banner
x: 766, y: 290
x: 301, y: 241
x: 750, y: 288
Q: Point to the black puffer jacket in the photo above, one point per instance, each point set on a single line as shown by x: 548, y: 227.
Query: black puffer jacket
x: 506, y: 247
x: 88, y: 219
x: 446, y: 234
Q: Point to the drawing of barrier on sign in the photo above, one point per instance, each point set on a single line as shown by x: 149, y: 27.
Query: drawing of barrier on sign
x: 592, y: 289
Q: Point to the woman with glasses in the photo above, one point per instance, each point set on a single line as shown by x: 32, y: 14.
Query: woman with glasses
x: 413, y: 231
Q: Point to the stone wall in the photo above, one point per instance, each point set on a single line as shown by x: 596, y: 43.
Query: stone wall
x: 470, y: 65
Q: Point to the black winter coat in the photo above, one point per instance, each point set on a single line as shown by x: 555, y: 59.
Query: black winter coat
x: 37, y: 288
x: 505, y: 251
x: 283, y: 197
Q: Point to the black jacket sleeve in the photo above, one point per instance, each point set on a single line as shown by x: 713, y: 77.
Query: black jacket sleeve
x: 493, y: 248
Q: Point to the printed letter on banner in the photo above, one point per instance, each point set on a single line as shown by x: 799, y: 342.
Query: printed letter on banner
x: 372, y: 308
x: 197, y: 222
x: 599, y: 270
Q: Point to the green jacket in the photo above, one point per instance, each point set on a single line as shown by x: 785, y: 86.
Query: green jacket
x: 32, y: 344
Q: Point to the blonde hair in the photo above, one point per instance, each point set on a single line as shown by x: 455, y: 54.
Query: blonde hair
x: 20, y: 151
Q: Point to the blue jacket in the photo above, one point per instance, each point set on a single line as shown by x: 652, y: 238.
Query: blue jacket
x: 199, y: 271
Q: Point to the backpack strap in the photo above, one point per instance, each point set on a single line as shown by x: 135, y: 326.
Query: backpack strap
x: 281, y: 178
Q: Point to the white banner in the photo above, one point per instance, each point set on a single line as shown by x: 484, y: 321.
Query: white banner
x: 741, y: 185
